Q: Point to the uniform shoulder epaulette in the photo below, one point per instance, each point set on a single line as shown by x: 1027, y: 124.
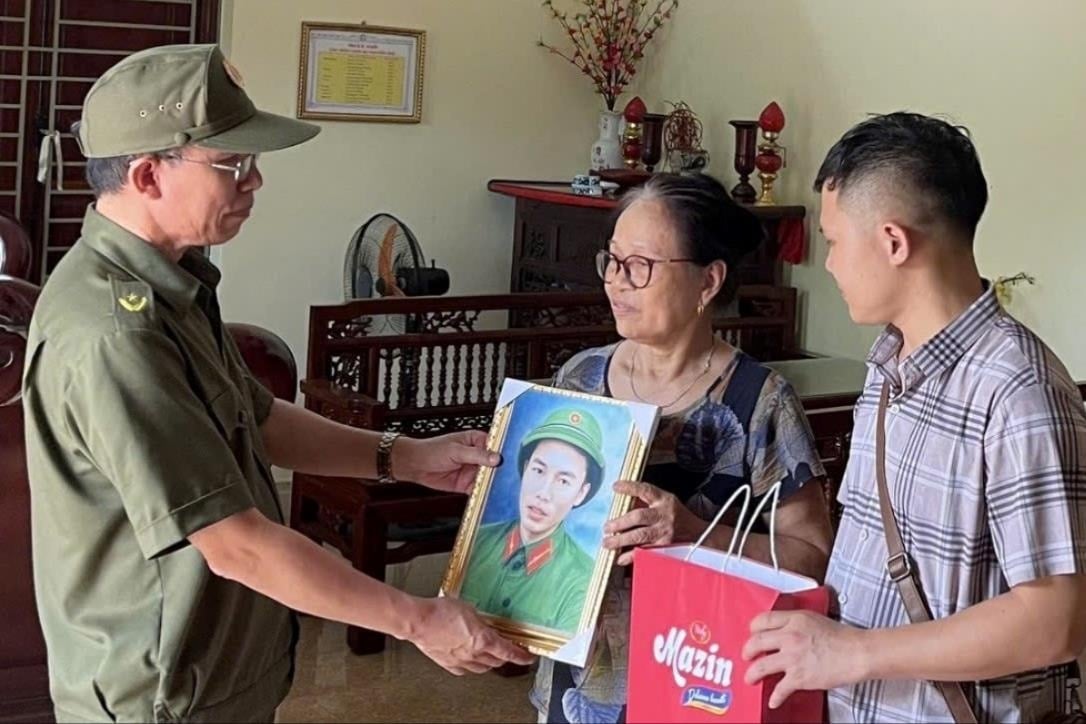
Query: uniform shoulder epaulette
x: 133, y: 304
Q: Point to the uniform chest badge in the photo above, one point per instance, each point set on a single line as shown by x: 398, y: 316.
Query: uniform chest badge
x: 133, y: 302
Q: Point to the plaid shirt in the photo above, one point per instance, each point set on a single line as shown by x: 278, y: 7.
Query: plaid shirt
x: 986, y: 466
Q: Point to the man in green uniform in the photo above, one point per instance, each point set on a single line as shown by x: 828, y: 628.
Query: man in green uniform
x: 165, y: 577
x: 530, y: 569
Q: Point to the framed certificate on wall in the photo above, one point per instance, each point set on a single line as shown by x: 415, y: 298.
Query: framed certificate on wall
x: 361, y: 73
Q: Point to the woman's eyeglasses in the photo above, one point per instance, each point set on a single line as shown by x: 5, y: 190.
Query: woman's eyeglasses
x: 637, y: 268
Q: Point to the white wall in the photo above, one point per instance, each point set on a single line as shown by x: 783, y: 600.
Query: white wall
x: 495, y: 105
x: 1013, y: 72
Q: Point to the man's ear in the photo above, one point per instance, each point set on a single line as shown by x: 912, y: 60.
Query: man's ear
x: 897, y: 242
x: 143, y: 176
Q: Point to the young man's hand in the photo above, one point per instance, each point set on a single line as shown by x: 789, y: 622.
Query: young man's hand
x: 451, y: 633
x: 810, y: 650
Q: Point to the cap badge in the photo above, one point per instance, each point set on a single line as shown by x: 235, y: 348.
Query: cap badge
x: 233, y: 73
x: 575, y: 418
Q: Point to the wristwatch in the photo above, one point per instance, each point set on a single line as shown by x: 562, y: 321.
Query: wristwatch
x: 384, y: 457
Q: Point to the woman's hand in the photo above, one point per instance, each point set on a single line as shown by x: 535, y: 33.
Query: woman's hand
x: 659, y: 519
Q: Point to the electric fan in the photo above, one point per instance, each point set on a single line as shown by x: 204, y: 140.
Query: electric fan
x: 384, y: 259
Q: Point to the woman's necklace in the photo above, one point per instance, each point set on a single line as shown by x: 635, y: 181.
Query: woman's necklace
x: 633, y: 388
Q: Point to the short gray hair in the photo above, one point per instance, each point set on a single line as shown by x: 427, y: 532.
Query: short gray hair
x: 710, y: 224
x: 109, y: 175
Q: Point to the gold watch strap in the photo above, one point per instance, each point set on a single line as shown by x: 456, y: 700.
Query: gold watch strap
x: 384, y: 457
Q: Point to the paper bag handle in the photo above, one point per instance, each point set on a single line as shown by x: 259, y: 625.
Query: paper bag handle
x: 774, y: 494
x: 745, y: 492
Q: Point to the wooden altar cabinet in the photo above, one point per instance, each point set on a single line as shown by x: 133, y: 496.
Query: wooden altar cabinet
x: 557, y: 233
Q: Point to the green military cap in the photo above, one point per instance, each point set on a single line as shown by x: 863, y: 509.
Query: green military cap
x: 574, y: 427
x: 165, y: 97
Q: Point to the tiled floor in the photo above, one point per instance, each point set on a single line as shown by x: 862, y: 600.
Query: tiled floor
x: 399, y: 685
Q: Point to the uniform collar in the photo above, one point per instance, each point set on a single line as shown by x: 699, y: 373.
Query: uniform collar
x: 536, y: 555
x: 176, y: 283
x: 941, y: 351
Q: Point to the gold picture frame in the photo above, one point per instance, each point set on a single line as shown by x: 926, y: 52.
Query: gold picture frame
x: 361, y: 72
x: 553, y: 614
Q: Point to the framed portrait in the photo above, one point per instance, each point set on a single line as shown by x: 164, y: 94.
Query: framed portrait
x: 361, y: 73
x: 529, y: 553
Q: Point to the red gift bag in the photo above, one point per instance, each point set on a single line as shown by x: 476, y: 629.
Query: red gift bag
x: 690, y: 618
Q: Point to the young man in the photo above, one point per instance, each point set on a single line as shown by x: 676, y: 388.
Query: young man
x: 985, y: 466
x: 165, y: 576
x: 530, y: 569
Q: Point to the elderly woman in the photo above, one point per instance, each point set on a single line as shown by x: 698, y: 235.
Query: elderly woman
x: 727, y: 421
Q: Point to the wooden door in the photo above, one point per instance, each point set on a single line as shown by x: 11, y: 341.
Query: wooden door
x: 50, y: 53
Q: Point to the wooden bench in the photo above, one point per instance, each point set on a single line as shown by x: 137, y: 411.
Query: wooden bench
x: 444, y: 374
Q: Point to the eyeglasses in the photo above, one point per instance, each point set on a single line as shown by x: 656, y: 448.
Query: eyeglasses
x: 637, y: 268
x: 242, y: 168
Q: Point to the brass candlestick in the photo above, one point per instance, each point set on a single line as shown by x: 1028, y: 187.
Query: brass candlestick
x: 635, y: 116
x: 769, y: 159
x: 631, y: 148
x: 769, y: 162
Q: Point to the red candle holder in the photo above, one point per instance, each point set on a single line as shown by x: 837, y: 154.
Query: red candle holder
x: 631, y: 147
x: 652, y: 139
x: 746, y: 140
x: 770, y: 159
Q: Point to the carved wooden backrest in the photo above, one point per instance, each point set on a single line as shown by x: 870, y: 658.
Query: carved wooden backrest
x: 444, y: 373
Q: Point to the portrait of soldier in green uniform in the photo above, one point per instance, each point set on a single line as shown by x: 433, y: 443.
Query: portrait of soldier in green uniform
x: 530, y: 569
